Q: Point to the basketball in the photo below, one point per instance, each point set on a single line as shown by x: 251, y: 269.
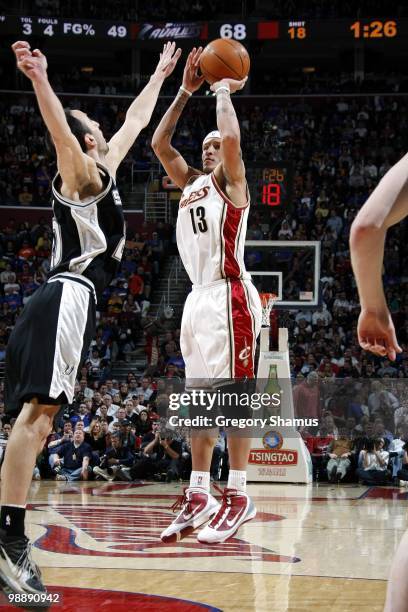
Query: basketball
x: 224, y: 58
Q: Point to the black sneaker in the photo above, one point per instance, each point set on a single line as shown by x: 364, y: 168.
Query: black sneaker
x: 18, y: 572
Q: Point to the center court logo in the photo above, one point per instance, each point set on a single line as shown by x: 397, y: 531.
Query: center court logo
x: 133, y: 533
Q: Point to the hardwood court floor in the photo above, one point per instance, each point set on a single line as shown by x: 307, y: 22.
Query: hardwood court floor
x: 309, y: 548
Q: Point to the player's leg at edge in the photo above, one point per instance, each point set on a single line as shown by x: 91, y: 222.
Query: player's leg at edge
x: 18, y: 571
x: 397, y: 587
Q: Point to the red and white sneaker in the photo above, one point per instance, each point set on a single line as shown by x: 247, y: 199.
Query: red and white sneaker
x: 236, y: 508
x: 197, y: 507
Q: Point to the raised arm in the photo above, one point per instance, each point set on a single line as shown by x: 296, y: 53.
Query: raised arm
x: 386, y: 206
x: 232, y: 171
x: 175, y: 165
x: 141, y: 109
x: 74, y: 166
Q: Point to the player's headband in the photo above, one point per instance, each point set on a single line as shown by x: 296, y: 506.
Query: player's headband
x: 211, y: 135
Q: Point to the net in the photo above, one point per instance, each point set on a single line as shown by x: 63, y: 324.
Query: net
x: 267, y: 301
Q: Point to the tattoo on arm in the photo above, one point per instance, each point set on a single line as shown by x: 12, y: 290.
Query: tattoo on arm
x: 180, y: 102
x: 174, y: 113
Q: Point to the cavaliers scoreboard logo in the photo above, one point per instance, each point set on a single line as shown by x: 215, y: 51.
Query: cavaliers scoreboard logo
x: 273, y: 453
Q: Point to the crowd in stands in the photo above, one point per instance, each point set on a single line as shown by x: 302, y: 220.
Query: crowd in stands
x: 273, y: 81
x: 113, y: 431
x: 339, y: 148
x: 363, y: 419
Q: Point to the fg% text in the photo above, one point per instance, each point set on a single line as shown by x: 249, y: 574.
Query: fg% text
x: 79, y: 28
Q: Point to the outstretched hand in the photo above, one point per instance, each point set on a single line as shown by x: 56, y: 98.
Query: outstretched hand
x: 31, y: 63
x: 192, y: 80
x: 232, y: 84
x: 168, y: 60
x: 376, y: 333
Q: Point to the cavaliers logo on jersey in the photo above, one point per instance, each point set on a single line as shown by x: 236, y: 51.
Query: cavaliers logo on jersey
x: 245, y: 354
x: 194, y: 197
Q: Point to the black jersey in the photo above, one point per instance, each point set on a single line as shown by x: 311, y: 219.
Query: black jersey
x: 88, y: 236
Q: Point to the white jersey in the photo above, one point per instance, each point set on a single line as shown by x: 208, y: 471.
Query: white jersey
x: 211, y: 233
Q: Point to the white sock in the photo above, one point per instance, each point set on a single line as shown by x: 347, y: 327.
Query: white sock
x: 237, y: 480
x: 200, y: 479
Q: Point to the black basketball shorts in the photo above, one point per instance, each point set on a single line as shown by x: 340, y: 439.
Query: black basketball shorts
x: 50, y: 342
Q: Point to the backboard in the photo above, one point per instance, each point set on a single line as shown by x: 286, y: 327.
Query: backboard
x: 289, y: 268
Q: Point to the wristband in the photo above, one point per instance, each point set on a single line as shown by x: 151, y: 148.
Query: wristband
x: 184, y: 90
x: 223, y: 88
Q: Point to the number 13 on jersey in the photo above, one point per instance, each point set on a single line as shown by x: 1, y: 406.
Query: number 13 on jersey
x: 198, y: 219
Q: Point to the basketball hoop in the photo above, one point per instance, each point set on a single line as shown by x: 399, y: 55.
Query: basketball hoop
x: 267, y: 301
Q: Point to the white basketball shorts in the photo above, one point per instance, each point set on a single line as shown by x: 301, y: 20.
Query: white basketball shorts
x: 221, y: 322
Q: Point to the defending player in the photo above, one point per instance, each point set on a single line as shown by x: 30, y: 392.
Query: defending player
x: 222, y: 315
x: 386, y: 206
x: 52, y: 336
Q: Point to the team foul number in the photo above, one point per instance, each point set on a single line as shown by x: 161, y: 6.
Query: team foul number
x: 201, y: 224
x: 235, y: 30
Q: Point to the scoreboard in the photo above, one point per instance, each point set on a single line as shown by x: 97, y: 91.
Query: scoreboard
x: 298, y: 31
x: 294, y: 32
x: 55, y: 27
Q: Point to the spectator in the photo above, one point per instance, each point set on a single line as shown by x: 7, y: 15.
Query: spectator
x: 161, y: 455
x: 73, y: 458
x: 374, y: 462
x: 111, y: 408
x: 130, y: 413
x: 4, y: 436
x: 25, y: 197
x: 339, y: 452
x: 306, y: 397
x: 83, y: 415
x: 114, y: 463
x: 403, y: 472
x: 144, y: 424
x: 396, y: 450
x: 96, y: 438
x: 119, y: 416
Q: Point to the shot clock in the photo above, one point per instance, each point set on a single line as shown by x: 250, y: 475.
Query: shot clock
x: 271, y: 184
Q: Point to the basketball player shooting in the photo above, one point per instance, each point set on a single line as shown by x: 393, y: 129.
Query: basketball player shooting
x: 51, y: 337
x: 222, y: 314
x: 386, y: 206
